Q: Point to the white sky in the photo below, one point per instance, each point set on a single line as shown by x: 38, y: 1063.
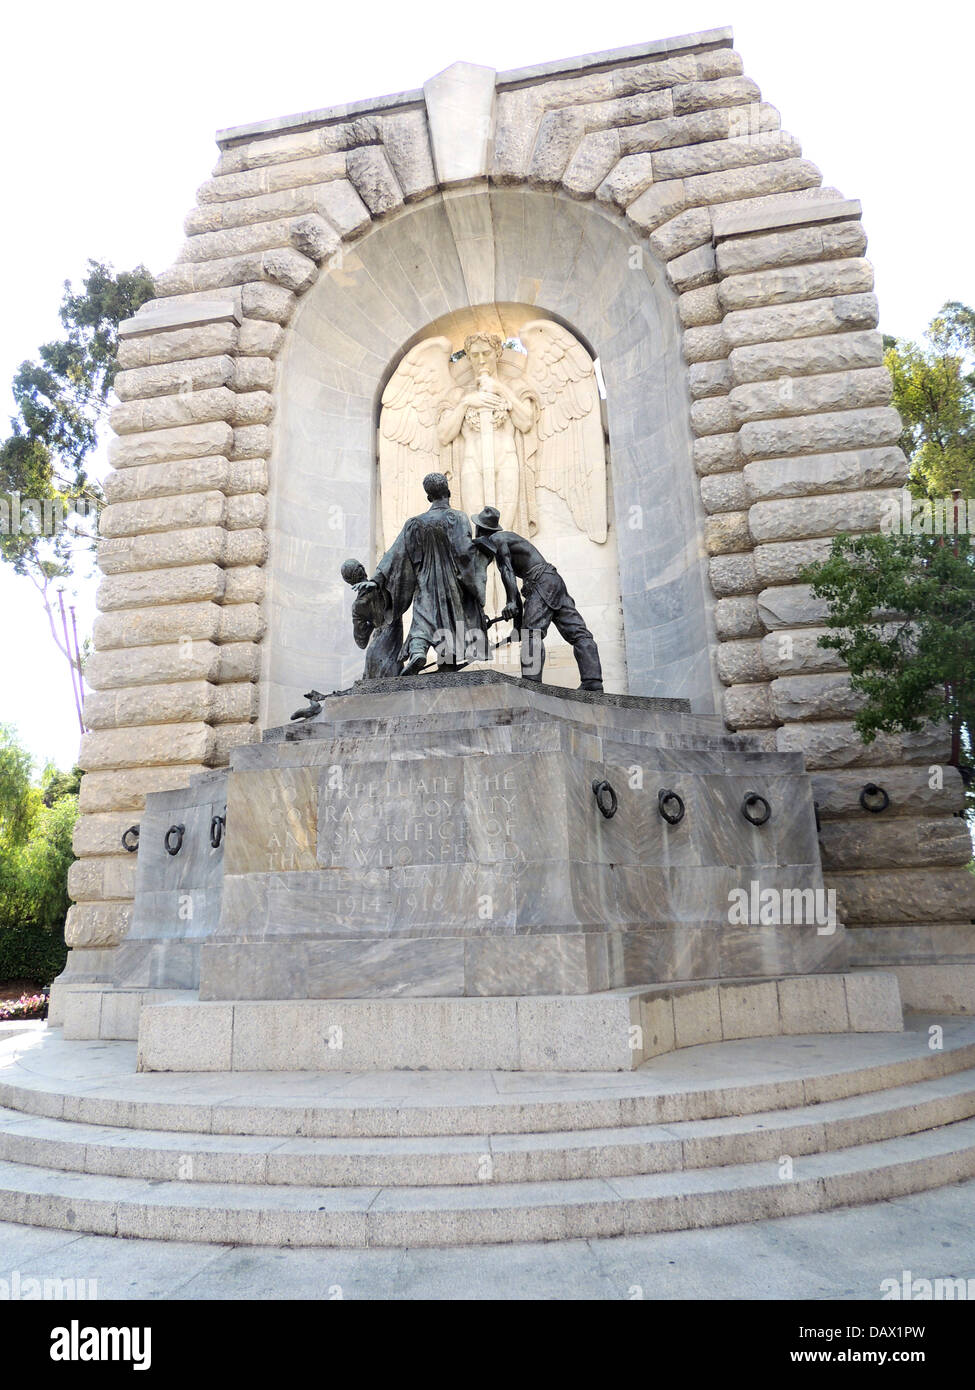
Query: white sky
x: 108, y: 112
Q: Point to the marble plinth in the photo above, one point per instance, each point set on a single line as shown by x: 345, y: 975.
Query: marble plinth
x: 440, y: 837
x: 618, y: 1030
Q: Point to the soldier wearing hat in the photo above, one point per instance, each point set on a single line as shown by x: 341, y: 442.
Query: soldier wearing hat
x: 544, y: 596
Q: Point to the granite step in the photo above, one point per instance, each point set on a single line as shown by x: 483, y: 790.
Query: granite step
x: 492, y: 1212
x: 95, y: 1083
x: 447, y: 1160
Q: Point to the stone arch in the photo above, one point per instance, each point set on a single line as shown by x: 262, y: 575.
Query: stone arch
x: 571, y: 259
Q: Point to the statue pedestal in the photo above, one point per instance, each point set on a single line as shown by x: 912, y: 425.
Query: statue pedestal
x: 429, y: 861
x: 445, y: 840
x: 440, y: 837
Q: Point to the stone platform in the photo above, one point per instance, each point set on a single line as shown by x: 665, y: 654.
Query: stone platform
x: 617, y: 1030
x: 439, y: 837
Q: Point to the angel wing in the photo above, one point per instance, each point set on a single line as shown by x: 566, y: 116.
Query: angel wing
x: 571, y: 452
x: 408, y: 444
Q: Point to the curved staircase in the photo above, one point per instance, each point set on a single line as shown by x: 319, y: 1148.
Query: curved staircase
x: 705, y: 1136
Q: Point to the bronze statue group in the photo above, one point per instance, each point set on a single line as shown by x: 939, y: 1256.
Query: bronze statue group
x: 439, y: 568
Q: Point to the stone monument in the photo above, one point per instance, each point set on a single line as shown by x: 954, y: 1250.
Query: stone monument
x: 610, y: 299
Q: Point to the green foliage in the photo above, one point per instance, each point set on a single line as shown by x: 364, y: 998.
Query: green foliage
x: 31, y: 953
x: 902, y: 618
x: 15, y: 789
x: 36, y: 823
x: 934, y: 391
x: 47, y: 500
x: 55, y: 783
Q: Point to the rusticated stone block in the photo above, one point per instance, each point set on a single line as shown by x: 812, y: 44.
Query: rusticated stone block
x: 727, y: 533
x: 741, y: 255
x: 809, y: 395
x: 724, y: 492
x: 177, y: 345
x: 838, y: 314
x: 178, y: 622
x: 791, y: 283
x: 741, y: 662
x: 814, y: 434
x: 159, y: 745
x: 97, y: 924
x: 100, y: 834
x: 814, y: 696
x: 171, y: 549
x: 272, y: 303
x: 713, y: 416
x: 913, y: 791
x: 253, y: 374
x: 686, y: 235
x: 251, y: 441
x: 813, y: 474
x: 791, y: 605
x: 126, y: 789
x: 271, y: 179
x: 717, y: 453
x: 706, y: 343
x: 258, y: 338
x: 697, y: 309
x: 783, y: 562
x: 737, y: 617
x: 284, y: 267
x: 748, y: 707
x: 632, y: 176
x: 798, y: 653
x: 175, y: 661
x: 906, y: 895
x: 245, y: 584
x: 732, y: 574
x: 725, y: 91
x: 801, y: 517
x: 370, y: 172
x: 712, y: 156
x: 171, y: 378
x: 227, y: 737
x: 406, y: 140
x: 103, y: 879
x: 244, y: 512
x: 167, y: 479
x: 195, y: 509
x: 837, y: 352
x: 191, y: 583
x: 836, y: 744
x: 178, y: 703
x: 709, y: 379
x: 165, y: 445
x: 870, y: 842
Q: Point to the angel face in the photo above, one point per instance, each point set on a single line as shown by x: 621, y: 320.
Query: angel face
x: 483, y: 356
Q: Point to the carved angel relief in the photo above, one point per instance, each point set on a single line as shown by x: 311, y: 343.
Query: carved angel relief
x: 500, y: 424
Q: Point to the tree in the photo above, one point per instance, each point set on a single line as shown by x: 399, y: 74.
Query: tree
x: 902, y: 619
x: 48, y: 502
x: 15, y: 769
x: 36, y: 824
x: 901, y: 605
x: 934, y: 391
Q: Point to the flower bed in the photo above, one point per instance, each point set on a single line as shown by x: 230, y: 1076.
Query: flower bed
x: 27, y: 1006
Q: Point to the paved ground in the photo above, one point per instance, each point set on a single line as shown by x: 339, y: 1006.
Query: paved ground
x: 832, y: 1255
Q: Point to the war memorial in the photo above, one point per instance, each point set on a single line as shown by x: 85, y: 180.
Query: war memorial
x: 476, y: 845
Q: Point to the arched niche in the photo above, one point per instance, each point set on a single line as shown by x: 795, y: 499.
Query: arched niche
x: 431, y: 265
